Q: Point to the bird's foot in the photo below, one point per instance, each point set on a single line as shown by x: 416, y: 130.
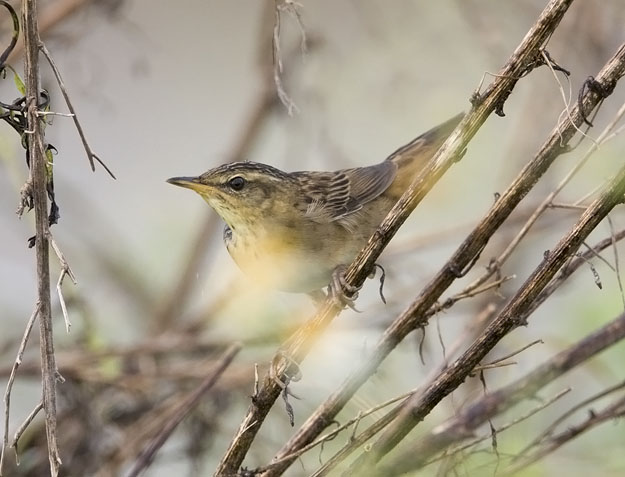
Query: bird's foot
x: 284, y: 379
x: 342, y: 292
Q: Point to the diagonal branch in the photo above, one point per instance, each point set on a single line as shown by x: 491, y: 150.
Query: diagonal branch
x: 523, y: 60
x: 357, y: 441
x: 468, y: 420
x: 511, y: 317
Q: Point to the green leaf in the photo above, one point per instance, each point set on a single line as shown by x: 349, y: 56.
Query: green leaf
x: 19, y: 83
x: 49, y: 163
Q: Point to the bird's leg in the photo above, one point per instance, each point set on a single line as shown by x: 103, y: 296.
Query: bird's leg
x: 274, y: 374
x: 342, y: 292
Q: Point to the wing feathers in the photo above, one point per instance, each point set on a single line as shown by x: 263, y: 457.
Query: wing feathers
x: 335, y: 195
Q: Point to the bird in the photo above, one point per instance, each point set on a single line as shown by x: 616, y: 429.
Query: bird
x: 297, y: 231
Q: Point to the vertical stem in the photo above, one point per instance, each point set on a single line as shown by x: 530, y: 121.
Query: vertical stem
x: 37, y: 162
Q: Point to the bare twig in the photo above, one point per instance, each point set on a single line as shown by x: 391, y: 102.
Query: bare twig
x: 59, y: 79
x: 571, y: 267
x: 65, y: 270
x: 617, y: 267
x: 51, y: 15
x: 9, y: 388
x: 566, y: 99
x: 505, y: 427
x: 551, y: 428
x: 43, y: 114
x: 514, y: 353
x: 182, y: 409
x: 610, y: 412
x: 468, y: 293
x: 20, y: 430
x: 291, y: 8
x: 356, y: 441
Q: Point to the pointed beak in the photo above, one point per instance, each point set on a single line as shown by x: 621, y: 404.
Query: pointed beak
x: 192, y: 183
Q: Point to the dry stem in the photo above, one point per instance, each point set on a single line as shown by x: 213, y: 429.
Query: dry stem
x: 37, y: 163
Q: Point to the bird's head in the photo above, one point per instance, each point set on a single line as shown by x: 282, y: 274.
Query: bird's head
x: 242, y: 192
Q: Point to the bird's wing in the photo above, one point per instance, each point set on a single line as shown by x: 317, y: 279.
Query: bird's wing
x: 335, y: 195
x: 367, y: 183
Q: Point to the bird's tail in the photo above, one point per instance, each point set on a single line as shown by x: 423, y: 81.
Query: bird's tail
x: 411, y: 158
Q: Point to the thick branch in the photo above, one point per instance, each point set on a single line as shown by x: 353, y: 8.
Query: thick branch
x: 37, y: 163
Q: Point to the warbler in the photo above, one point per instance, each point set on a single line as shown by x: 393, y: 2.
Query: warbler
x: 294, y: 231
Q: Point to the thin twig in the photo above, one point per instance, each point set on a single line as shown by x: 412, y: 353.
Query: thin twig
x: 616, y: 260
x: 567, y: 101
x: 552, y: 427
x: 548, y: 201
x: 65, y: 270
x: 354, y: 440
x: 9, y: 388
x: 514, y: 353
x: 59, y: 79
x: 20, y: 430
x: 504, y: 427
x: 466, y: 293
x: 612, y: 411
x: 43, y: 114
x: 511, y: 317
x: 290, y: 7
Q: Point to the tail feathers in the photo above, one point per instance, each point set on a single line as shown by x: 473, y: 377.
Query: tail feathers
x: 412, y: 158
x: 422, y: 148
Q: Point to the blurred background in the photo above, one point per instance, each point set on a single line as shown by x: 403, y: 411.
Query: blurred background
x: 166, y: 89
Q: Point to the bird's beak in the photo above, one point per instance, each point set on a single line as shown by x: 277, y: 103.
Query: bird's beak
x: 192, y: 183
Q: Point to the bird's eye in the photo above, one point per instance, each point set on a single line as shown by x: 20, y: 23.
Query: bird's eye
x: 236, y: 183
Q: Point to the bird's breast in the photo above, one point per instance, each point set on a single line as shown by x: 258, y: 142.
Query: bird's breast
x: 296, y: 259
